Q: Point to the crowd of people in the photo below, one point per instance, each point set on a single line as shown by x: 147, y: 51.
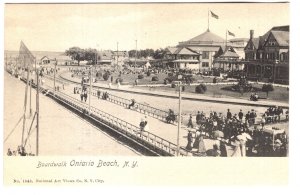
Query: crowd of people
x: 19, y: 152
x: 240, y: 130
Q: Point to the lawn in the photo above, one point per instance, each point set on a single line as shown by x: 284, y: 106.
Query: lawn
x: 279, y: 94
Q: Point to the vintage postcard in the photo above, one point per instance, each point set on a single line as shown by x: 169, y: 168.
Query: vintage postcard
x: 127, y: 93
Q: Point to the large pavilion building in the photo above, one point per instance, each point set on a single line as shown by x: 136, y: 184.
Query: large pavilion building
x: 200, y: 53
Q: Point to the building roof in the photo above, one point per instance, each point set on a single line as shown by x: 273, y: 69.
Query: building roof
x: 207, y: 36
x: 120, y: 53
x: 281, y: 28
x: 255, y: 42
x: 172, y: 50
x: 238, y: 40
x: 186, y: 51
x: 230, y: 54
x: 186, y: 60
x: 204, y: 48
x: 282, y: 37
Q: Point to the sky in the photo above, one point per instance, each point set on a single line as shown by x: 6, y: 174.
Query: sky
x: 57, y: 27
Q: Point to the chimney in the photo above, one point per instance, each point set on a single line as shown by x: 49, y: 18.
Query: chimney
x: 251, y: 34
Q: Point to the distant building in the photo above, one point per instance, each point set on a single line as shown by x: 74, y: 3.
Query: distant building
x: 199, y: 53
x: 105, y: 57
x: 231, y: 57
x: 59, y: 59
x: 267, y: 56
x: 119, y: 57
x: 45, y: 60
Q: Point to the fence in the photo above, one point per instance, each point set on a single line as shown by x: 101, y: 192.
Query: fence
x: 147, y: 139
x: 142, y: 108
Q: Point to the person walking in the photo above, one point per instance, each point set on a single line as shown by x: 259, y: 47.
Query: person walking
x: 229, y: 115
x: 197, y: 139
x: 98, y: 94
x: 85, y: 96
x: 190, y: 123
x: 81, y: 96
x: 190, y: 141
x: 198, y: 118
x: 241, y: 114
x: 142, y: 124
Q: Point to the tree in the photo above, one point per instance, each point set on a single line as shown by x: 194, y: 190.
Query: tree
x: 76, y: 53
x: 159, y: 53
x: 90, y: 55
x: 267, y: 88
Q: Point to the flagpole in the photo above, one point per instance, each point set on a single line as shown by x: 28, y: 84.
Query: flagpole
x: 208, y: 19
x: 25, y: 101
x: 226, y: 40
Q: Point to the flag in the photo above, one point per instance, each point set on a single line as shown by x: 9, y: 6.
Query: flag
x: 214, y: 15
x: 231, y: 34
x: 25, y: 56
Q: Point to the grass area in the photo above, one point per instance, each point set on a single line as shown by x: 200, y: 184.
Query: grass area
x: 130, y: 78
x: 279, y: 94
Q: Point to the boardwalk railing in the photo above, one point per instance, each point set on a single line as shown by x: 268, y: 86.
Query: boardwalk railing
x: 147, y: 139
x: 142, y: 108
x: 164, y: 147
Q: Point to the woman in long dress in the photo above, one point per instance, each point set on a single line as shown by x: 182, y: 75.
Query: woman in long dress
x: 190, y: 141
x: 237, y: 150
x: 197, y: 139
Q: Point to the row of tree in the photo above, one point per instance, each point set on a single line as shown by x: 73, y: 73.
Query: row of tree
x: 78, y: 54
x: 145, y: 53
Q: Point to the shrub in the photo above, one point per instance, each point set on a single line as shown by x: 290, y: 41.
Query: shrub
x: 155, y: 78
x: 183, y: 88
x: 200, y: 89
x: 173, y: 85
x: 169, y: 80
x: 106, y: 76
x: 148, y: 73
x: 119, y: 79
x: 140, y: 76
x: 267, y: 88
x: 214, y: 80
x: 170, y: 74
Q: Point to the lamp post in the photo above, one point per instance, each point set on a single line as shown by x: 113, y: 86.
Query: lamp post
x: 90, y: 90
x: 179, y: 113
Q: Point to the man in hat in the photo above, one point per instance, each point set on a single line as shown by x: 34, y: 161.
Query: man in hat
x: 229, y: 115
x: 198, y: 118
x: 241, y: 114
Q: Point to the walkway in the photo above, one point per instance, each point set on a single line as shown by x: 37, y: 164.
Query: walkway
x: 188, y: 96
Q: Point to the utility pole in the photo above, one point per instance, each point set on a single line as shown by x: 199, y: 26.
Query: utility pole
x: 135, y: 53
x: 37, y: 109
x: 30, y: 110
x: 117, y: 54
x: 179, y: 119
x: 54, y: 87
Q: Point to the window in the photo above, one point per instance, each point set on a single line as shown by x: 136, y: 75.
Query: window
x: 272, y: 42
x: 272, y: 56
x: 205, y: 64
x: 205, y: 55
